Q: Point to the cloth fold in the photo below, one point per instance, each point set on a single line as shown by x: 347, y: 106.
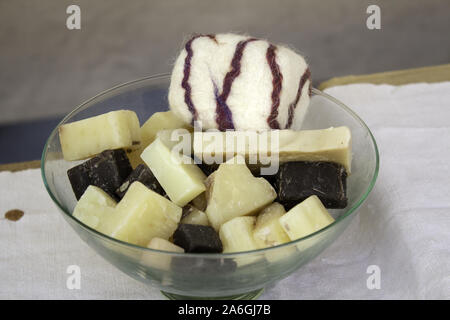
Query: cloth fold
x: 403, y: 228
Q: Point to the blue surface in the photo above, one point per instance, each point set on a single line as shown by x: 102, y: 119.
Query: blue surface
x: 25, y: 141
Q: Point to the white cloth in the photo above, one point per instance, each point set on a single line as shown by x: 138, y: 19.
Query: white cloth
x: 403, y: 228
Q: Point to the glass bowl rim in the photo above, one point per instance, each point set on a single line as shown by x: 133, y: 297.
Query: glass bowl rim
x: 207, y: 255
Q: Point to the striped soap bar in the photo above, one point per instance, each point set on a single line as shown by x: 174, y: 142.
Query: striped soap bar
x: 229, y: 81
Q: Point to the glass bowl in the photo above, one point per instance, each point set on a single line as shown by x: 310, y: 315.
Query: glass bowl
x: 212, y: 276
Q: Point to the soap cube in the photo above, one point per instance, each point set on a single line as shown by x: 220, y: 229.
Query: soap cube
x: 233, y: 192
x: 237, y: 235
x: 145, y: 176
x: 107, y: 171
x: 157, y: 260
x: 181, y: 139
x: 299, y: 180
x: 164, y: 245
x: 181, y: 179
x: 142, y: 215
x: 94, y: 207
x: 113, y: 130
x: 192, y: 215
x: 197, y: 239
x: 268, y: 231
x: 158, y: 121
x: 79, y: 179
x: 305, y: 218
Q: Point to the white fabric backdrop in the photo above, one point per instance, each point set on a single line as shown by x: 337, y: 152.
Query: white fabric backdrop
x: 404, y: 226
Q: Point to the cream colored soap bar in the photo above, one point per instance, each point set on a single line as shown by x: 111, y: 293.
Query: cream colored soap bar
x: 156, y: 259
x: 164, y: 245
x: 268, y: 231
x: 113, y: 130
x: 332, y: 145
x: 94, y: 207
x: 157, y: 122
x: 194, y: 216
x: 181, y: 139
x: 160, y: 121
x: 181, y: 179
x: 142, y: 215
x: 233, y: 192
x: 305, y: 218
x: 237, y: 235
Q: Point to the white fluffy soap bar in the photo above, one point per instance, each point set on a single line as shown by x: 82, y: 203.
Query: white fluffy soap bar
x: 228, y: 81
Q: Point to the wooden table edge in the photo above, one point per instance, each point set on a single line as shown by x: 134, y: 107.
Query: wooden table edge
x: 20, y: 166
x: 429, y: 74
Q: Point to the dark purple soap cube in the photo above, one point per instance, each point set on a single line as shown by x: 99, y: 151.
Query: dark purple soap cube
x: 296, y: 181
x: 197, y: 238
x: 144, y: 175
x: 107, y: 171
x: 79, y: 179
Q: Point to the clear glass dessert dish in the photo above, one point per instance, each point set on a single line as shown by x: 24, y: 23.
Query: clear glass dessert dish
x: 240, y: 275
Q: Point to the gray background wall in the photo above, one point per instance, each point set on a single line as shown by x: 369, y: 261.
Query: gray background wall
x: 47, y: 69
